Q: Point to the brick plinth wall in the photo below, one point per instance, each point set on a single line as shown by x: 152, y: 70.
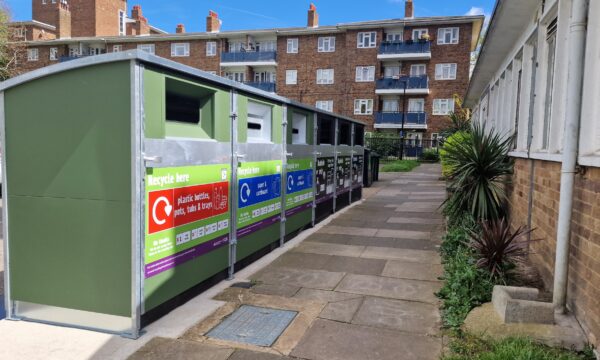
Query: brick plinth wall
x: 584, y: 261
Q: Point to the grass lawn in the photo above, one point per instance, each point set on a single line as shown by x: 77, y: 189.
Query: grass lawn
x: 466, y: 347
x: 400, y: 166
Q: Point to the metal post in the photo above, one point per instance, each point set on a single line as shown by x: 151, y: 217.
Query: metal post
x: 233, y: 196
x: 405, y: 82
x: 284, y: 156
x: 315, y: 157
x: 352, y: 125
x: 335, y: 163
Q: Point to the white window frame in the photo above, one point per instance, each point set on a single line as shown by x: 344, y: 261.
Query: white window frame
x: 325, y: 76
x: 53, y: 54
x: 178, y: 46
x: 391, y: 71
x: 292, y: 46
x: 20, y: 32
x: 394, y: 36
x: 390, y: 105
x: 418, y: 66
x: 443, y: 106
x: 366, y: 40
x: 419, y: 33
x: 149, y: 48
x: 239, y: 76
x: 326, y: 105
x: 33, y: 54
x: 416, y: 102
x: 363, y: 107
x: 446, y: 71
x: 211, y: 48
x: 122, y: 23
x: 291, y: 77
x: 365, y: 73
x: 454, y: 33
x: 117, y: 48
x: 261, y: 114
x: 326, y: 44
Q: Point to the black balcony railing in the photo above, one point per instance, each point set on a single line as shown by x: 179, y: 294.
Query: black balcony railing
x: 407, y: 47
x: 412, y: 82
x: 265, y: 86
x: 395, y: 118
x: 252, y: 56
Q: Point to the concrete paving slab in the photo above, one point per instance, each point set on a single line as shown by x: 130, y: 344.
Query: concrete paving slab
x: 342, y: 310
x: 255, y: 355
x: 403, y: 234
x: 275, y: 290
x: 402, y: 289
x: 314, y: 279
x: 163, y: 348
x: 412, y: 270
x: 330, y: 340
x: 324, y: 296
x: 330, y: 249
x: 412, y: 220
x: 331, y: 263
x: 347, y: 230
x: 409, y: 255
x: 402, y: 315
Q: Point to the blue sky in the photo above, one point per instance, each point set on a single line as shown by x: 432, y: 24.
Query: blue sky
x: 260, y: 14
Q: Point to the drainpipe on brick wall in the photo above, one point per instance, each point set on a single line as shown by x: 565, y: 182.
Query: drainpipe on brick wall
x: 577, y: 33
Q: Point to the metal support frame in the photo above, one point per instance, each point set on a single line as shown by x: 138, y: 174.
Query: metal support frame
x: 284, y: 156
x: 352, y: 152
x: 235, y: 157
x: 336, y: 154
x: 9, y: 305
x: 315, y: 157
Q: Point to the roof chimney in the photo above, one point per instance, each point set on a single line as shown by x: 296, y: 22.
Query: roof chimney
x: 136, y: 12
x: 180, y: 29
x: 313, y: 17
x: 213, y: 23
x: 409, y: 10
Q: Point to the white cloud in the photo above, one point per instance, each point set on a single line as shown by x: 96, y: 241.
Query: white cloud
x: 475, y: 11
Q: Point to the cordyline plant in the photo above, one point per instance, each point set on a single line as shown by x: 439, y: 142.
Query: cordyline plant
x: 497, y: 248
x: 479, y: 167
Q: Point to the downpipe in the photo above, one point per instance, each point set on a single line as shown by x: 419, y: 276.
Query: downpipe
x: 577, y: 38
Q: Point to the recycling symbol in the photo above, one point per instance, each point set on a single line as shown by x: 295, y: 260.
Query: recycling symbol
x: 245, y: 193
x: 290, y: 182
x: 168, y: 209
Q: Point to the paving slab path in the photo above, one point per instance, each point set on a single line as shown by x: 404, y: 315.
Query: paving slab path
x: 370, y: 275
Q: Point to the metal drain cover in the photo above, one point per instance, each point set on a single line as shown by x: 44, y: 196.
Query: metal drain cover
x: 253, y: 325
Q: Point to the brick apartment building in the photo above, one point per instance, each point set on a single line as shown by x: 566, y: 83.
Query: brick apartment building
x: 370, y: 70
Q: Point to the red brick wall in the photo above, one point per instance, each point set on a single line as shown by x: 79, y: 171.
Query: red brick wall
x: 584, y: 266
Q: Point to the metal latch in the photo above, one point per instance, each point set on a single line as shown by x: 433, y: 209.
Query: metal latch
x: 154, y: 159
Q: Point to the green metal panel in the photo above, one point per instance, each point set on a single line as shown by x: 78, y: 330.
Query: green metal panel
x: 309, y: 124
x: 298, y: 221
x: 250, y: 244
x: 69, y: 180
x: 215, y: 123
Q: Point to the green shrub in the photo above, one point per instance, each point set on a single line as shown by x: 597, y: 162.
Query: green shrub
x: 430, y: 155
x: 451, y: 142
x: 479, y: 170
x: 400, y: 166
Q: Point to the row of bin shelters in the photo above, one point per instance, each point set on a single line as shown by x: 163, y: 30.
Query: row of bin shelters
x: 131, y: 181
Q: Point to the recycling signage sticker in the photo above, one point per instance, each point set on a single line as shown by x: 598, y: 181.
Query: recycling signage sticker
x: 325, y: 178
x: 187, y: 214
x: 299, y: 186
x: 259, y: 196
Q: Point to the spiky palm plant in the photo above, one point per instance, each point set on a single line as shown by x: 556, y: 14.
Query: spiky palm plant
x: 479, y: 169
x: 497, y: 248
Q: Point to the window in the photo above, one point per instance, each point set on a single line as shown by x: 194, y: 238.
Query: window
x: 264, y: 77
x: 292, y: 46
x: 53, y: 54
x: 291, y: 77
x: 239, y: 76
x: 445, y: 72
x: 418, y: 34
x: 117, y: 48
x: 180, y: 49
x: 327, y: 44
x: 325, y: 76
x: 33, y: 55
x: 416, y: 105
x: 447, y: 36
x: 20, y: 32
x: 149, y: 48
x: 551, y: 44
x: 390, y: 105
x: 367, y: 39
x: 418, y: 70
x: 435, y: 137
x: 391, y: 71
x: 326, y: 105
x: 394, y: 36
x: 443, y: 106
x: 259, y: 122
x: 363, y: 107
x: 266, y: 45
x: 121, y: 22
x: 211, y: 48
x: 365, y: 73
x: 299, y: 129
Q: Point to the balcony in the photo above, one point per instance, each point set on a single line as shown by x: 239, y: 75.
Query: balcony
x: 249, y: 58
x: 264, y: 86
x: 393, y: 120
x: 409, y: 50
x: 415, y: 85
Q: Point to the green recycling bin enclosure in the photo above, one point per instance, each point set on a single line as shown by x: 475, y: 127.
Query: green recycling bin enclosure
x: 134, y: 179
